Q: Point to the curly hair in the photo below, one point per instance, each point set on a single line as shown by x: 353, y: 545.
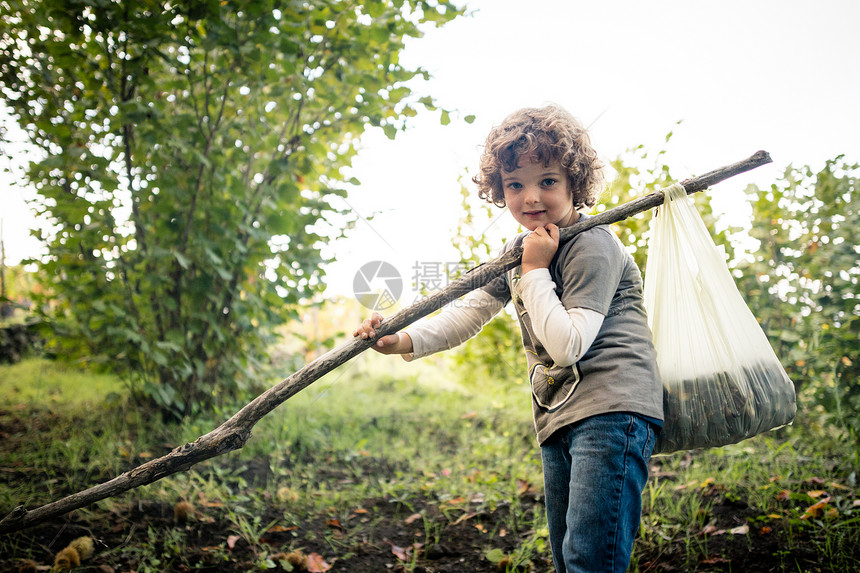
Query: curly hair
x: 545, y: 134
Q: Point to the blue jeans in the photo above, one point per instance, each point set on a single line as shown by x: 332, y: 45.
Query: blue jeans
x: 594, y: 472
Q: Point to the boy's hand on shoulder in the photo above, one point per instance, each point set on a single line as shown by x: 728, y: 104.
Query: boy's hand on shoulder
x: 398, y: 343
x: 539, y: 248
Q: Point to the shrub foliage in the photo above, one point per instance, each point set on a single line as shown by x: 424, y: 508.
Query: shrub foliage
x: 184, y: 153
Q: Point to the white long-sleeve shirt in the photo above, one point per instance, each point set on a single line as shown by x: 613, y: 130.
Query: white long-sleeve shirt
x: 566, y: 334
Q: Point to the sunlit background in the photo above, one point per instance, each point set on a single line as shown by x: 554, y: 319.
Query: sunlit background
x: 783, y: 76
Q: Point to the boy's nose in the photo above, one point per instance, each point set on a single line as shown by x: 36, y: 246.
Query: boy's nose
x: 532, y: 195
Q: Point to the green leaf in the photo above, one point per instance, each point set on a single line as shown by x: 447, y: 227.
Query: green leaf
x: 182, y: 260
x: 398, y: 94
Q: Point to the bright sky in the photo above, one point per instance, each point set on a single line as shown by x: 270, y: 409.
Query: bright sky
x: 783, y: 76
x: 779, y: 75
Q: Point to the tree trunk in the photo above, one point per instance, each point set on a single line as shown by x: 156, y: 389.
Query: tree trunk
x: 232, y: 434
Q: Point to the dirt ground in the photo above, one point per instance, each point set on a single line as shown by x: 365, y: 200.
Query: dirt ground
x: 395, y: 543
x: 458, y: 550
x: 378, y: 535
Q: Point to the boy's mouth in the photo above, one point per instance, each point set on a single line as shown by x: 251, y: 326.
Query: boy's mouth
x: 533, y: 213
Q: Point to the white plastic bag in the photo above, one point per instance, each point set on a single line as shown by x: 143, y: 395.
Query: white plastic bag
x: 722, y: 382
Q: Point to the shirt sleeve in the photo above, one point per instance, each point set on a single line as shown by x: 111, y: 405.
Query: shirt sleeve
x: 566, y: 334
x: 589, y: 270
x: 459, y: 321
x: 498, y: 287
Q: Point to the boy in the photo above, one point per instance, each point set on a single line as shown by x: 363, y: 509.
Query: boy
x: 596, y: 392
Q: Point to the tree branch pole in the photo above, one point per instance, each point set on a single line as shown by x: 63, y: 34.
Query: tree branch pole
x: 235, y: 432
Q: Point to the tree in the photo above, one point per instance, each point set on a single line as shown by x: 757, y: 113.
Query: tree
x: 802, y: 282
x: 187, y: 150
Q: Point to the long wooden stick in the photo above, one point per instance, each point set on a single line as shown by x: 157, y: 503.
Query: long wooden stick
x: 232, y: 434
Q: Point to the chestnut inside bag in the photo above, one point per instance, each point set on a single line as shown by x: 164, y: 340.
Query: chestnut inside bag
x: 722, y: 381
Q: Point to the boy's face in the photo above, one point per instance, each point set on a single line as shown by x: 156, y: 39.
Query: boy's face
x: 539, y: 194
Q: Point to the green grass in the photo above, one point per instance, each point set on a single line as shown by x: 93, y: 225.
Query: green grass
x: 328, y: 442
x: 378, y: 441
x: 761, y: 491
x: 75, y: 429
x: 38, y: 383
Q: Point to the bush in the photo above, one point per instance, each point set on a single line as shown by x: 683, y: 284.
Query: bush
x: 18, y: 341
x: 802, y: 284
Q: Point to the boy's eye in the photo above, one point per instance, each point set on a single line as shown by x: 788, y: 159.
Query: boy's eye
x: 549, y: 182
x: 514, y: 185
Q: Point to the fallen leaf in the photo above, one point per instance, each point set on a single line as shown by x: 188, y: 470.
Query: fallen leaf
x: 740, y: 530
x: 400, y: 552
x: 820, y: 509
x: 765, y: 530
x: 334, y: 524
x: 316, y: 564
x: 412, y: 518
x: 707, y: 482
x: 446, y: 472
x: 523, y: 487
x: 774, y: 516
x: 280, y: 528
x: 469, y: 415
x: 495, y: 555
x: 686, y: 485
x: 648, y: 565
x: 783, y: 495
x: 713, y: 560
x: 232, y: 539
x: 838, y: 485
x: 816, y: 493
x: 712, y: 530
x: 360, y: 510
x: 464, y: 517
